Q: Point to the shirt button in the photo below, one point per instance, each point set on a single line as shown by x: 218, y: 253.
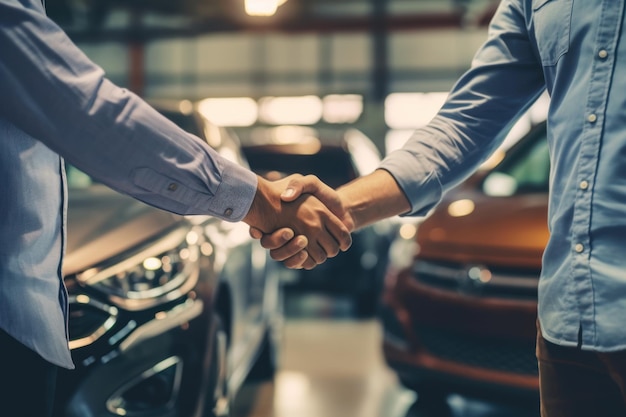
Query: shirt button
x: 172, y: 186
x: 592, y: 118
x: 603, y: 53
x: 584, y: 185
x: 579, y: 247
x: 228, y: 212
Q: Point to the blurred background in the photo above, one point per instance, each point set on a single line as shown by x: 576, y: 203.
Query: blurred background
x: 383, y: 65
x: 330, y: 87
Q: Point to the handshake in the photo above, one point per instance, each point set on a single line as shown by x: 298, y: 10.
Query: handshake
x: 303, y: 221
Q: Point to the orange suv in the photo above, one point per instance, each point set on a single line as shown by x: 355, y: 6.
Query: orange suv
x: 461, y: 318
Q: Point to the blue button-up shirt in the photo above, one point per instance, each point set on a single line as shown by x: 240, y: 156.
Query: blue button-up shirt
x: 55, y: 101
x: 575, y: 51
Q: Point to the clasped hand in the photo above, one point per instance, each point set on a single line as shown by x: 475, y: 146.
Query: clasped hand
x: 304, y: 208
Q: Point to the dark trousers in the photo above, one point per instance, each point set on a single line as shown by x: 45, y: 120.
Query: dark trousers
x: 579, y: 383
x: 27, y: 382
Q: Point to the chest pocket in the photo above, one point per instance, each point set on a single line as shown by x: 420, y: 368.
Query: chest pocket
x: 552, y: 23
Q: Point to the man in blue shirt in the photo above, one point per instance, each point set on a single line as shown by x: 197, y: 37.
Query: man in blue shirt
x: 575, y: 50
x: 54, y: 101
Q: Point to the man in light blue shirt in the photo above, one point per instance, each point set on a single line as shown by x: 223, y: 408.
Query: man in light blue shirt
x: 575, y: 50
x: 54, y: 101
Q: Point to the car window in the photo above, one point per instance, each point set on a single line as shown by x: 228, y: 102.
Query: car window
x: 525, y: 170
x: 77, y: 178
x: 184, y: 121
x: 365, y: 155
x: 332, y: 165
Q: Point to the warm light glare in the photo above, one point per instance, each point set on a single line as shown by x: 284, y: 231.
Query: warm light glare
x: 152, y: 264
x: 408, y: 231
x: 206, y: 248
x: 262, y: 7
x: 480, y: 274
x: 461, y: 208
x: 235, y: 111
x: 292, y: 389
x: 395, y: 139
x: 192, y: 238
x: 499, y: 184
x: 412, y: 110
x: 304, y: 110
x: 364, y: 153
x: 342, y: 108
x: 82, y: 299
x: 493, y: 160
x: 292, y: 134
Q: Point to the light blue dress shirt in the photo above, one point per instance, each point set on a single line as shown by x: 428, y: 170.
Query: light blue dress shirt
x: 55, y: 101
x: 575, y: 50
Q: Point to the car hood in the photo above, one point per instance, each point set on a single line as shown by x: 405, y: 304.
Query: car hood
x: 102, y: 224
x: 508, y: 231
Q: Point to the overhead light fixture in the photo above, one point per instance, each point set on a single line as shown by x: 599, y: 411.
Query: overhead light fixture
x: 229, y: 111
x: 302, y: 110
x: 262, y: 7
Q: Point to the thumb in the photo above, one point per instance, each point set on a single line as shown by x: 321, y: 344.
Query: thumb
x: 310, y: 184
x: 295, y: 188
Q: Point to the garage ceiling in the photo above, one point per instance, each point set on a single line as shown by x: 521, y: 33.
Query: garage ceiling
x: 98, y: 20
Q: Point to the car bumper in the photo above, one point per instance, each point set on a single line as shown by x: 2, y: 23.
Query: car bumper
x: 482, y: 346
x: 157, y: 369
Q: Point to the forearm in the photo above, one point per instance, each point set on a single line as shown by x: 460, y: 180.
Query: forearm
x: 54, y: 93
x: 373, y: 197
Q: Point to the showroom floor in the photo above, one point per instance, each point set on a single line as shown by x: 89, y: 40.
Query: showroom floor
x: 331, y: 366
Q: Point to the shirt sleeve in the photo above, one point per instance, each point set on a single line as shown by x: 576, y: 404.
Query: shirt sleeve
x: 53, y: 92
x: 505, y: 78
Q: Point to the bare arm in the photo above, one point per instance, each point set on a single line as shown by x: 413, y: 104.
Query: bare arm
x: 371, y: 198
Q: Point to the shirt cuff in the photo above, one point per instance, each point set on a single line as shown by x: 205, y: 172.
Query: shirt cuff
x: 235, y: 194
x: 417, y: 180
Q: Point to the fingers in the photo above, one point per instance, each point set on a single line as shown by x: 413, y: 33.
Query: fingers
x: 316, y: 252
x: 335, y: 238
x: 285, y: 251
x: 322, y: 232
x: 308, y: 264
x: 276, y: 239
x: 256, y: 233
x: 299, y: 261
x: 340, y: 234
x: 285, y: 248
x: 310, y: 184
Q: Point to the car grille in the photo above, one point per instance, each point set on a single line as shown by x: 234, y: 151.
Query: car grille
x: 476, y: 279
x: 505, y: 356
x: 89, y: 320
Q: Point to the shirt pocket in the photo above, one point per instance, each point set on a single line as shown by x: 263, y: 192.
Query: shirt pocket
x: 552, y: 24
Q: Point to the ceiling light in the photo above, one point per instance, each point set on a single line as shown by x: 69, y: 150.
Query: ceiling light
x: 262, y: 7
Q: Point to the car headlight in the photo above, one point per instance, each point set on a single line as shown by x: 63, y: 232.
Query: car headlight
x: 156, y: 273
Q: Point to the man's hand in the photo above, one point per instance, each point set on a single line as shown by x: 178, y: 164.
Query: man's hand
x: 361, y: 202
x: 286, y: 248
x: 306, y: 216
x: 283, y: 246
x: 310, y: 184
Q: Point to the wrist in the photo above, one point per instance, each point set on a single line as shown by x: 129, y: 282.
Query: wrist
x: 348, y: 218
x: 262, y: 210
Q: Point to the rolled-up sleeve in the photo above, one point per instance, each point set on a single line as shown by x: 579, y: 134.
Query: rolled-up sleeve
x: 53, y: 92
x: 504, y: 79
